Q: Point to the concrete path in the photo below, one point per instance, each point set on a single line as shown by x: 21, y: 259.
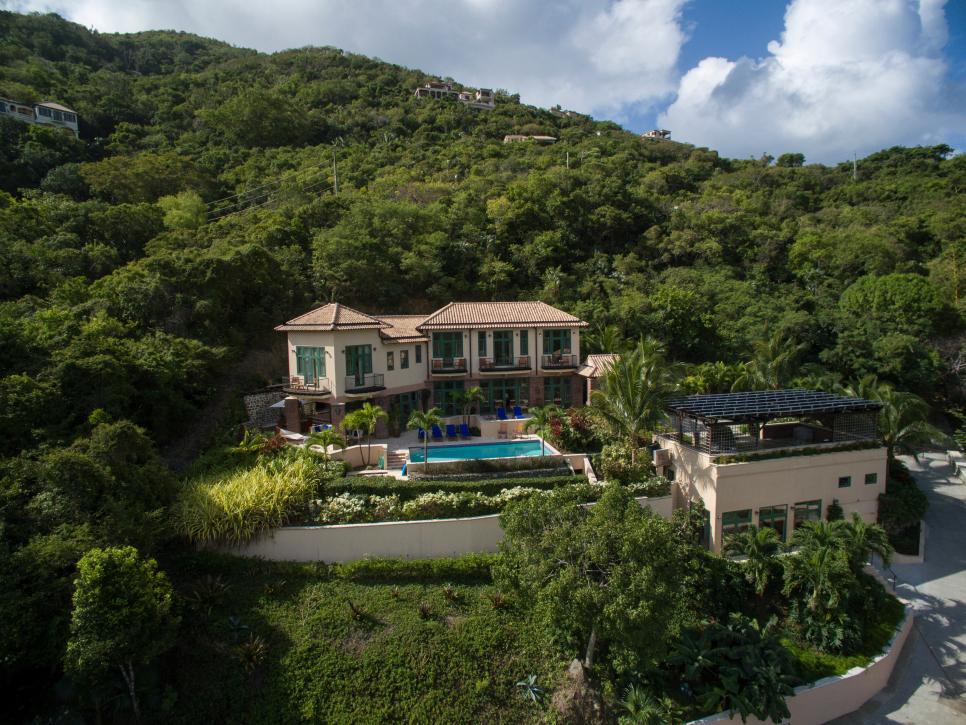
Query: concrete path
x: 928, y: 684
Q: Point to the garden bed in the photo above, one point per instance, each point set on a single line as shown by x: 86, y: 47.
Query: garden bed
x: 539, y: 465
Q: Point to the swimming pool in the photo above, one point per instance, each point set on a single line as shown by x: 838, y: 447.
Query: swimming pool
x: 469, y: 451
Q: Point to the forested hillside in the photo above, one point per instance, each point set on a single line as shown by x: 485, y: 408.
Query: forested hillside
x: 140, y: 263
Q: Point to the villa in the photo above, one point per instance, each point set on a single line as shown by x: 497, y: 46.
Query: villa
x: 45, y: 113
x: 772, y: 458
x: 519, y: 353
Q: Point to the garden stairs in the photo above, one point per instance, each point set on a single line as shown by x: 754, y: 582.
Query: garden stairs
x: 395, y: 460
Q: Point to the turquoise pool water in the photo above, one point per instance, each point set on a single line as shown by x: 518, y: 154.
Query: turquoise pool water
x: 468, y: 451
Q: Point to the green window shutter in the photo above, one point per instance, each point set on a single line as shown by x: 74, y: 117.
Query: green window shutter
x: 871, y: 479
x: 481, y: 343
x: 845, y: 481
x: 524, y: 342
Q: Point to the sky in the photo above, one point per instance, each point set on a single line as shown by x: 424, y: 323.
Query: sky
x: 827, y: 78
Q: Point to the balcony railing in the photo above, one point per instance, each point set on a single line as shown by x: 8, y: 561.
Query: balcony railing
x: 298, y: 383
x: 489, y: 364
x: 449, y: 365
x: 558, y: 360
x: 362, y: 383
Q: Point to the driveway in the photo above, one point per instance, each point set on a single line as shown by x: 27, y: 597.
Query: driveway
x: 928, y: 684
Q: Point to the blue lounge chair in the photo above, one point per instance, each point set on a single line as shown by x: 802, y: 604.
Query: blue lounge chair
x: 464, y: 430
x: 501, y: 413
x: 420, y: 435
x: 517, y: 411
x: 437, y: 433
x: 451, y: 432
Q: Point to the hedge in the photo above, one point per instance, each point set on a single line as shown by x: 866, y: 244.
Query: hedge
x: 488, y: 465
x: 387, y: 485
x: 469, y: 569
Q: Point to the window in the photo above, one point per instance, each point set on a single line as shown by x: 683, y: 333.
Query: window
x: 500, y: 393
x: 808, y: 511
x: 58, y: 116
x: 419, y: 353
x: 443, y: 396
x: 404, y: 359
x: 774, y: 517
x: 390, y: 360
x: 845, y: 481
x: 503, y: 347
x: 358, y: 361
x: 556, y: 341
x: 72, y: 118
x: 447, y: 344
x: 310, y: 363
x: 734, y: 522
x: 44, y: 112
x: 871, y: 479
x: 556, y: 391
x: 524, y: 342
x: 481, y: 343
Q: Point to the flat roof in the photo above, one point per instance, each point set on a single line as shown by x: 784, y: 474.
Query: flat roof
x: 759, y: 404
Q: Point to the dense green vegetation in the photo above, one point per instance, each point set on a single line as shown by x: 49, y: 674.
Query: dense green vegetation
x: 143, y: 266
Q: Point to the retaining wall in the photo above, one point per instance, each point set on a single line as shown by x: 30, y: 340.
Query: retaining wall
x: 392, y: 539
x: 833, y: 697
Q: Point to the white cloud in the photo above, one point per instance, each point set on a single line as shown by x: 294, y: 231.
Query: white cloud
x: 601, y: 56
x: 847, y: 76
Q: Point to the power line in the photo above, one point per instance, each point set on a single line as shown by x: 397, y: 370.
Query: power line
x: 242, y: 202
x: 264, y: 203
x: 256, y: 188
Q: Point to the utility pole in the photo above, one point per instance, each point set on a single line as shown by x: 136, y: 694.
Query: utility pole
x: 335, y: 172
x: 855, y: 168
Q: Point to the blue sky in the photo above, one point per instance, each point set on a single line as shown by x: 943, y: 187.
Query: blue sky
x: 828, y: 78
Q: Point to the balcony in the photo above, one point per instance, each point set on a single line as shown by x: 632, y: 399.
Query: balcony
x: 448, y: 365
x: 499, y: 365
x: 297, y: 384
x: 368, y: 383
x: 558, y: 361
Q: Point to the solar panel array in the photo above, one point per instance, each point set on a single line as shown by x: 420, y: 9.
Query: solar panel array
x: 767, y: 404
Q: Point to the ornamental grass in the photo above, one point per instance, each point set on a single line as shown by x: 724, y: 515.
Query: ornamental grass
x: 244, y: 504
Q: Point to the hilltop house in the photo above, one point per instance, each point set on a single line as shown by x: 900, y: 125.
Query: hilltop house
x: 45, y: 113
x: 656, y: 133
x: 519, y: 353
x: 482, y: 99
x: 772, y: 458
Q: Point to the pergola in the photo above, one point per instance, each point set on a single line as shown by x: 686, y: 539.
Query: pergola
x: 741, y: 422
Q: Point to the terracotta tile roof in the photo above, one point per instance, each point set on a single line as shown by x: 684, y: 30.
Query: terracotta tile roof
x: 490, y: 315
x: 597, y: 364
x: 402, y: 328
x: 333, y: 316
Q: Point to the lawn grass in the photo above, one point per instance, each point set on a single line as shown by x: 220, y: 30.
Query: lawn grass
x: 422, y: 641
x: 811, y: 665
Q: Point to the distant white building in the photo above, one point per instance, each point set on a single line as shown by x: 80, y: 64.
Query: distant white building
x: 482, y: 99
x: 45, y: 113
x: 657, y: 133
x: 513, y: 137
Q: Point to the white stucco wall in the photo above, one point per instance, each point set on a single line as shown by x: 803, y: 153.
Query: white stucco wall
x: 335, y: 343
x: 394, y: 539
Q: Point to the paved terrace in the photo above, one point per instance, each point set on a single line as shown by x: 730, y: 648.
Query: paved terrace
x: 928, y: 684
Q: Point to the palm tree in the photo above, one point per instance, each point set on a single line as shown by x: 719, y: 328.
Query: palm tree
x: 425, y: 420
x: 541, y: 421
x: 902, y: 423
x: 470, y: 397
x: 365, y: 419
x: 772, y: 365
x: 860, y: 539
x: 633, y: 393
x: 819, y: 574
x: 606, y: 339
x: 817, y: 534
x: 325, y: 438
x: 761, y: 546
x: 640, y: 707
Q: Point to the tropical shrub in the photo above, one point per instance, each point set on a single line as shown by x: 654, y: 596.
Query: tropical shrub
x: 616, y: 464
x: 407, y: 489
x: 736, y: 666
